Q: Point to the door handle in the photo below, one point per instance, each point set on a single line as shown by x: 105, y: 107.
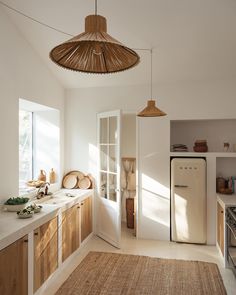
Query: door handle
x: 181, y: 185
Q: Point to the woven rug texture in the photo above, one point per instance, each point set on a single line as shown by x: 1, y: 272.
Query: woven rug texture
x: 113, y: 274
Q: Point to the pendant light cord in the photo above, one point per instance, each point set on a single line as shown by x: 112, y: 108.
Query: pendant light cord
x: 151, y: 73
x: 51, y: 27
x: 96, y: 7
x: 35, y: 20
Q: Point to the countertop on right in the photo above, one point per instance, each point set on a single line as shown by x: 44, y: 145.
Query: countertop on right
x: 226, y: 200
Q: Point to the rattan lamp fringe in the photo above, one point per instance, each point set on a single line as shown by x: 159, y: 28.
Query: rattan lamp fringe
x: 94, y: 51
x: 151, y: 110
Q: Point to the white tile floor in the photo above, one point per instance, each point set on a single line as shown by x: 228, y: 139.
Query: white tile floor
x: 130, y: 245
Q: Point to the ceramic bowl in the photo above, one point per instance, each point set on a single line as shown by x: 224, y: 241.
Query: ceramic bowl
x: 35, y: 208
x: 25, y: 213
x: 14, y: 208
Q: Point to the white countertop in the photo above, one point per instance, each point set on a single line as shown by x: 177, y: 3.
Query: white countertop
x: 226, y: 200
x: 13, y: 228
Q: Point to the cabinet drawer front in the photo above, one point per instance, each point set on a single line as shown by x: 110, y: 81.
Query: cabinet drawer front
x: 14, y: 268
x: 86, y: 218
x: 220, y: 227
x: 45, y: 252
x: 70, y: 231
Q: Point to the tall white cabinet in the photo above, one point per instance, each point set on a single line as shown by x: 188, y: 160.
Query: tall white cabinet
x: 154, y: 179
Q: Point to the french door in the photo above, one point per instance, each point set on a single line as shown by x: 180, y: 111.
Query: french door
x: 108, y: 207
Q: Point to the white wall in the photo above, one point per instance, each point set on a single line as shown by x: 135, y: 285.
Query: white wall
x: 81, y: 109
x: 180, y: 100
x: 46, y: 142
x: 22, y: 75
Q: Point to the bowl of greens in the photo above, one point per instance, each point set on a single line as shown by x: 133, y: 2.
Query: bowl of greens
x: 16, y: 204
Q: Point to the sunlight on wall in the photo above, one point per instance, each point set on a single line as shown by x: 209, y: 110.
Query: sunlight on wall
x: 93, y: 159
x: 155, y: 200
x: 46, y: 142
x: 152, y: 185
x: 46, y: 137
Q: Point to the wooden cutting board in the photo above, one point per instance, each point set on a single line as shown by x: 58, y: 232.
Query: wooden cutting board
x: 84, y: 183
x: 70, y: 181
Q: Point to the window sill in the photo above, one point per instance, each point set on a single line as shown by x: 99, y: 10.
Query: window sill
x: 30, y: 192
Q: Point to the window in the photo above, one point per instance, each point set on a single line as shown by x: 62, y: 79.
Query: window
x: 39, y: 142
x: 25, y: 147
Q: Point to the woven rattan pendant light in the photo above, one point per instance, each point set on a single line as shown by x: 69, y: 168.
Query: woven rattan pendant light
x: 94, y: 51
x: 151, y: 110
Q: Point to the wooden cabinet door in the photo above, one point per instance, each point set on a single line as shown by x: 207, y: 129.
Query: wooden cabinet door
x: 70, y: 231
x: 86, y: 218
x: 14, y: 268
x: 220, y: 227
x: 45, y: 251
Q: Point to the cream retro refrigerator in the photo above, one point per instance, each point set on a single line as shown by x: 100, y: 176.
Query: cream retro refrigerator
x: 188, y: 200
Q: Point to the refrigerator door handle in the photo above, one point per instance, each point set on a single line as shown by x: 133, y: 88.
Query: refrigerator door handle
x: 181, y: 185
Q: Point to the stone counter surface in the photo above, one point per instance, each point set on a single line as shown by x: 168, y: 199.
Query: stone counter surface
x: 226, y: 200
x: 13, y: 228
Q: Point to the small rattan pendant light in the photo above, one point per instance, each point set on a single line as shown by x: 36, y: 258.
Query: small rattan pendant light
x: 151, y: 110
x: 94, y: 51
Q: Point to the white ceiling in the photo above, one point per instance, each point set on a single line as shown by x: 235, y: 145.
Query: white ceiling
x: 192, y: 39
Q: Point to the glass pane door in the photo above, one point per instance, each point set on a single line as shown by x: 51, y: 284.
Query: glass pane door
x: 109, y: 177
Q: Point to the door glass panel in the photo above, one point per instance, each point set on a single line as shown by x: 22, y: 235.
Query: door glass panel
x: 108, y: 157
x: 112, y: 187
x: 104, y: 130
x: 103, y: 185
x: 112, y: 129
x: 112, y: 158
x: 103, y: 157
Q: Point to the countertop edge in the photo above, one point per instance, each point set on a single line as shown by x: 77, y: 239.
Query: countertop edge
x: 32, y: 224
x: 226, y: 200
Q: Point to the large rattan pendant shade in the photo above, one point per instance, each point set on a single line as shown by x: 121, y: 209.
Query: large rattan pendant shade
x: 94, y: 51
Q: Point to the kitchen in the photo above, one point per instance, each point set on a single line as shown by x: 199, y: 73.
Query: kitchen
x: 188, y: 100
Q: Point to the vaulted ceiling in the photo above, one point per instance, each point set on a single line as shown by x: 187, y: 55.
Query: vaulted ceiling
x: 192, y: 39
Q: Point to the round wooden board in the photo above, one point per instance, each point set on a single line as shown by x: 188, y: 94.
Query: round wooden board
x: 79, y: 174
x: 70, y: 181
x: 84, y: 183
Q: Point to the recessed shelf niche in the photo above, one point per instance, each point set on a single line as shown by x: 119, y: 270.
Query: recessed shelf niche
x: 216, y: 132
x: 225, y: 167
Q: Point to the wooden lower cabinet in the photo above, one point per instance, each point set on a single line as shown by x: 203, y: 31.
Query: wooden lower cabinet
x: 45, y: 252
x: 86, y: 218
x: 220, y: 227
x: 14, y: 268
x: 70, y: 231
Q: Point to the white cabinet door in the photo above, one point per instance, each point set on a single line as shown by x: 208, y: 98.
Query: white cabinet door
x: 108, y: 205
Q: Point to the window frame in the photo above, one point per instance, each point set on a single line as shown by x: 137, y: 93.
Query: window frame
x: 31, y: 172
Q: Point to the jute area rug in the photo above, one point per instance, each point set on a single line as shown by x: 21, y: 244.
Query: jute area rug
x: 109, y: 273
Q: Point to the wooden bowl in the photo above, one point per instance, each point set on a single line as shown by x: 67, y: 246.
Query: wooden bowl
x: 70, y: 181
x: 84, y: 183
x: 200, y: 149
